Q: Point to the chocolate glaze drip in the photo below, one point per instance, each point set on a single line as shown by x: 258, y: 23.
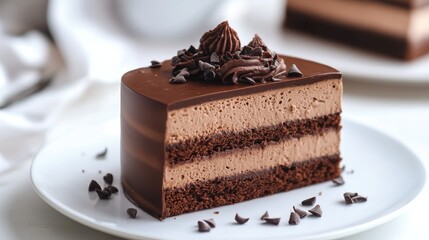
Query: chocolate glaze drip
x: 219, y: 57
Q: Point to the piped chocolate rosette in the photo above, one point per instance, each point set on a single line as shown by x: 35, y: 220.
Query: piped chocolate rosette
x: 220, y: 57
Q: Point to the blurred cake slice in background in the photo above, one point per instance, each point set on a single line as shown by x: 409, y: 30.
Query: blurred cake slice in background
x: 395, y: 28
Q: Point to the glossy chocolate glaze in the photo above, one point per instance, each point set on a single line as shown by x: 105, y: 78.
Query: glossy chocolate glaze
x: 147, y: 96
x: 153, y: 83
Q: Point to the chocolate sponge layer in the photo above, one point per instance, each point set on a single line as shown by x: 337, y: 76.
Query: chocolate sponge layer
x: 190, y: 150
x: 224, y: 191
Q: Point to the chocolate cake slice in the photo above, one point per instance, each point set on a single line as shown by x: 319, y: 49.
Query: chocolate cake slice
x: 395, y: 28
x: 221, y: 124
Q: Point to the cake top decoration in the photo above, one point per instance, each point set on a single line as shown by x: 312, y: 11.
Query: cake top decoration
x: 220, y: 57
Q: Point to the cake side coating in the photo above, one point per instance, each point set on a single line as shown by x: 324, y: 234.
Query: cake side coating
x: 146, y: 101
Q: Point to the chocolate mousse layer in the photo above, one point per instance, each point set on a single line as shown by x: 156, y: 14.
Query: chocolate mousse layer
x: 233, y: 189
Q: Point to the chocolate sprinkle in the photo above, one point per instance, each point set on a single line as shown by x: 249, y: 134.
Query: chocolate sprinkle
x: 112, y: 189
x: 265, y: 215
x: 210, y: 222
x: 240, y: 220
x: 294, y: 218
x: 108, y: 178
x: 102, y: 155
x: 316, y: 211
x: 103, y: 194
x: 301, y: 213
x: 154, y: 64
x: 273, y: 221
x: 203, y: 227
x: 338, y: 181
x: 309, y: 201
x: 132, y: 212
x: 93, y: 185
x: 294, y: 71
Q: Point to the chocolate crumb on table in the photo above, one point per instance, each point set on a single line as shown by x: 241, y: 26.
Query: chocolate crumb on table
x: 273, y: 221
x: 316, y: 211
x: 211, y: 222
x: 301, y: 213
x: 108, y: 178
x: 93, y: 185
x: 132, y: 212
x: 294, y: 218
x: 265, y: 215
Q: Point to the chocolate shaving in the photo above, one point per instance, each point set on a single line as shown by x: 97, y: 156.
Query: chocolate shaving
x: 154, y: 64
x: 338, y: 181
x: 294, y: 71
x: 301, y: 213
x: 294, y: 218
x: 103, y: 194
x: 309, y: 201
x: 316, y: 211
x: 102, y: 155
x: 132, y: 212
x: 93, y: 185
x: 210, y: 222
x: 265, y: 215
x: 240, y: 220
x: 203, y: 227
x: 178, y: 79
x: 273, y: 221
x: 108, y: 178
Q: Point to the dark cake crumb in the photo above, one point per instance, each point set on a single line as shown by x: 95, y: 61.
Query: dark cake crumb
x: 203, y: 227
x: 108, y: 178
x: 240, y: 220
x: 93, y: 185
x: 309, y: 201
x: 132, y: 212
x: 211, y: 222
x: 273, y: 221
x: 101, y: 155
x: 316, y: 211
x: 83, y: 170
x: 294, y: 218
x: 216, y: 212
x: 301, y: 213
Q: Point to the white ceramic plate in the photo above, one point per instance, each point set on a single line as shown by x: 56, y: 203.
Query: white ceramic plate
x: 352, y: 62
x: 384, y: 170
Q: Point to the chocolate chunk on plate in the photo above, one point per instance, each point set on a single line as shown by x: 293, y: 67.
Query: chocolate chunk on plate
x: 316, y: 211
x: 265, y: 215
x: 273, y: 221
x: 108, y: 178
x: 301, y: 213
x: 203, y: 226
x: 240, y: 220
x: 93, y: 185
x: 338, y: 181
x: 309, y: 202
x: 103, y: 194
x: 210, y: 222
x: 294, y: 218
x: 132, y: 212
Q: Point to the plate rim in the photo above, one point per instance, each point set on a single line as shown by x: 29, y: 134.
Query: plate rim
x: 343, y: 232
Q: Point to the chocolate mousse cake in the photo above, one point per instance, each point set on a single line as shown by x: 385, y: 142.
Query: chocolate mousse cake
x: 396, y: 28
x: 225, y: 123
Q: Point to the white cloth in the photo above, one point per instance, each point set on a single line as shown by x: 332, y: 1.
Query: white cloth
x: 95, y: 48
